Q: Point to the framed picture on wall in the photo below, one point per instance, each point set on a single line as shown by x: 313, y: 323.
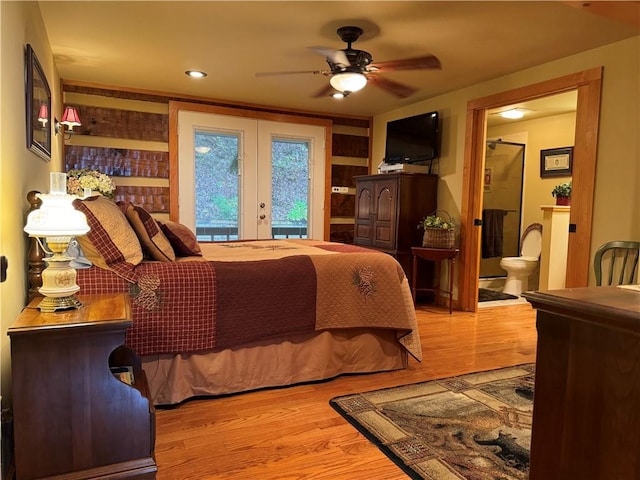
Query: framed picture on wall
x: 38, y: 101
x: 556, y: 162
x: 488, y: 173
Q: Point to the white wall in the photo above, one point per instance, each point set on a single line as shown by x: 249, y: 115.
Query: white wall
x: 617, y: 189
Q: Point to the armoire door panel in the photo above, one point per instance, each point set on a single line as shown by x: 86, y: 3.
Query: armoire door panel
x: 363, y: 209
x: 362, y: 234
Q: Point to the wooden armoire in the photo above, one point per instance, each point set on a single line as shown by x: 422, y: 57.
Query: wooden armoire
x: 389, y: 208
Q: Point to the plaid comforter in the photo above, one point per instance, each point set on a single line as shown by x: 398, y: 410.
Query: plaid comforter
x: 248, y: 291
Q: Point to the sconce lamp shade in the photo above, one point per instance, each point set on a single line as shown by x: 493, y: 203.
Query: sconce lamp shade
x: 348, y: 81
x: 70, y: 118
x: 43, y: 114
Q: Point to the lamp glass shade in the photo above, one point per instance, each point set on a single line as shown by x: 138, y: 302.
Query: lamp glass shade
x: 348, y: 81
x: 56, y: 218
x: 43, y: 114
x: 58, y: 221
x: 70, y: 117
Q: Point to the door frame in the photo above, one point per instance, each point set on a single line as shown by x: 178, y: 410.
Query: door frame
x: 588, y: 83
x: 176, y: 106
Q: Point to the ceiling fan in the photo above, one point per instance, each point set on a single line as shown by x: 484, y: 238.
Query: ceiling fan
x: 351, y: 69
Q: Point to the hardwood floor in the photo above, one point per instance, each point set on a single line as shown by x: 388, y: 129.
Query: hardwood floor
x: 292, y: 433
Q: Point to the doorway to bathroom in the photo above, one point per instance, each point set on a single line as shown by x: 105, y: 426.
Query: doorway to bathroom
x: 588, y: 86
x: 501, y: 205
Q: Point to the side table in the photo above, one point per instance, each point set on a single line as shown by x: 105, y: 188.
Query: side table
x: 436, y: 255
x: 73, y: 419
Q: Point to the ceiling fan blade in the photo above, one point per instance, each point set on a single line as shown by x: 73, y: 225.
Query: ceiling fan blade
x: 323, y: 92
x: 417, y: 63
x: 337, y: 57
x: 294, y: 72
x: 398, y: 89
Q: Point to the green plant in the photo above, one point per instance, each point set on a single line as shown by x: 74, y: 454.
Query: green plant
x: 435, y: 221
x: 562, y: 191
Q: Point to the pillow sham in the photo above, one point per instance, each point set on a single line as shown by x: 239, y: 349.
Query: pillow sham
x: 111, y: 240
x: 154, y: 243
x: 183, y: 240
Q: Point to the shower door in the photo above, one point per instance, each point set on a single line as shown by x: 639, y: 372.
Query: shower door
x: 504, y: 174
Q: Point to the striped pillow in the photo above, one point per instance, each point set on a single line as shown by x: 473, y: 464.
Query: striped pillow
x: 154, y: 243
x: 111, y: 243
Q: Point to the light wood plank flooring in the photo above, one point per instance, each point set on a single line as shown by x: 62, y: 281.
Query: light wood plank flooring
x: 293, y: 433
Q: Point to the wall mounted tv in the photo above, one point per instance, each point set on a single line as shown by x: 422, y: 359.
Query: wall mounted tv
x: 413, y: 139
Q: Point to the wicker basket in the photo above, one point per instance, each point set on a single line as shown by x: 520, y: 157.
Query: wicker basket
x: 439, y: 237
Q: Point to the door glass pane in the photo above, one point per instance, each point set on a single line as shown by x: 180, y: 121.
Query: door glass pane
x: 217, y: 185
x: 289, y: 188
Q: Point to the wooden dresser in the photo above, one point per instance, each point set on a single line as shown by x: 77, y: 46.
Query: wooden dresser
x: 586, y: 408
x: 72, y: 418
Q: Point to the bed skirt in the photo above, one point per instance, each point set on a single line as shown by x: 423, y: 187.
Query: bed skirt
x: 300, y: 358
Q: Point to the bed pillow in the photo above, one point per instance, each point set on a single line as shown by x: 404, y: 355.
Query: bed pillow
x: 111, y: 240
x: 154, y: 243
x: 183, y: 240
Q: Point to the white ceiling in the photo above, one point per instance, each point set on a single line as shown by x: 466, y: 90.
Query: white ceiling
x: 149, y: 44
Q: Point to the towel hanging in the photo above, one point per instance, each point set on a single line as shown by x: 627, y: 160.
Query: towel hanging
x: 492, y: 232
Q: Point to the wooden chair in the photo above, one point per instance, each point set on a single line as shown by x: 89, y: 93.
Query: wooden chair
x: 620, y: 259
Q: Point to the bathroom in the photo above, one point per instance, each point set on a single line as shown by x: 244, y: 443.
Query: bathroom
x: 515, y: 188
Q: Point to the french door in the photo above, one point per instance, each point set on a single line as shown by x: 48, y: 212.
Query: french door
x: 244, y: 178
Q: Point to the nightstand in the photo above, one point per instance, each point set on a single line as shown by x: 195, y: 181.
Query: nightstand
x: 434, y: 255
x: 72, y: 417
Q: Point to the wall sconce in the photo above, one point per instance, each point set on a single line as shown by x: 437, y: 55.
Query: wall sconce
x: 71, y: 119
x: 43, y: 115
x: 57, y: 221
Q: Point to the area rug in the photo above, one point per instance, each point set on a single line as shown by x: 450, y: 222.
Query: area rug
x: 474, y: 427
x: 486, y: 295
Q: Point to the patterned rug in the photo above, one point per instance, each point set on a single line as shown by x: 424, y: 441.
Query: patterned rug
x: 486, y: 295
x: 474, y: 427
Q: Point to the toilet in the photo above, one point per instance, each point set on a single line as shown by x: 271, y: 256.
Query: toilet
x: 519, y: 269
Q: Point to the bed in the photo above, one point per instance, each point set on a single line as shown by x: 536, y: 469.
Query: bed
x: 228, y: 317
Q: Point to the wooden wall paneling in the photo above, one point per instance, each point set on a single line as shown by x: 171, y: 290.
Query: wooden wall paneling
x: 119, y: 162
x: 342, y: 175
x: 116, y: 123
x: 123, y: 124
x: 352, y: 122
x: 342, y: 233
x: 350, y: 145
x: 343, y: 205
x: 152, y: 199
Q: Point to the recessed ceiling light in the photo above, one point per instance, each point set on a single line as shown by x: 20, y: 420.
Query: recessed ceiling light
x: 196, y: 73
x: 513, y: 113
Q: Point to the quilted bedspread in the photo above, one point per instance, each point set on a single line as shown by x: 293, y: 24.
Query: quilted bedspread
x: 245, y: 291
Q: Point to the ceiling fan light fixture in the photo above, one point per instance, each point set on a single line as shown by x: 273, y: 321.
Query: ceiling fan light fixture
x: 348, y: 81
x: 338, y: 95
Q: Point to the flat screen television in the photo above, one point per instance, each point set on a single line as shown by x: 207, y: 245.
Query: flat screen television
x: 413, y: 139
